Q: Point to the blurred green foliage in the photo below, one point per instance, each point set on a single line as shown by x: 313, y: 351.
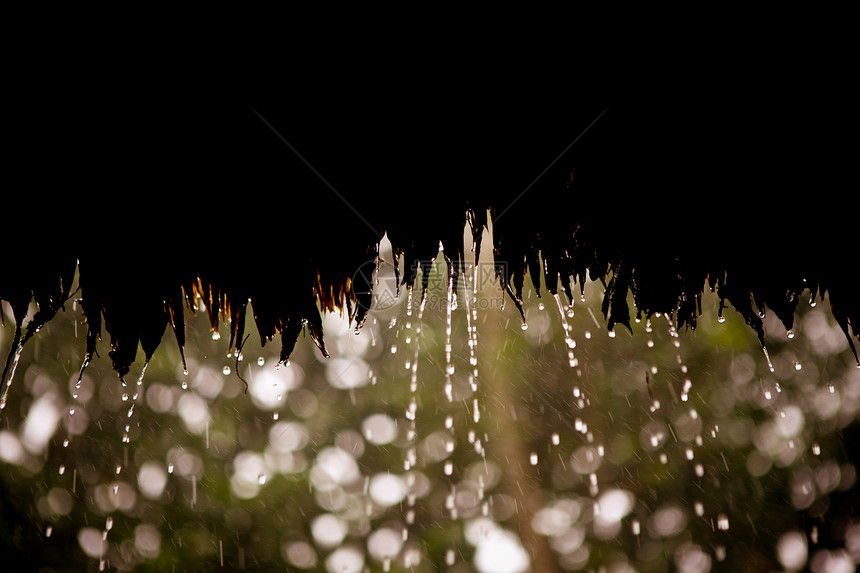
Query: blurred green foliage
x: 655, y: 451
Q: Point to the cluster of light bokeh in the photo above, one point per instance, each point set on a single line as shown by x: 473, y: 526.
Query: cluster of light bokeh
x: 632, y: 455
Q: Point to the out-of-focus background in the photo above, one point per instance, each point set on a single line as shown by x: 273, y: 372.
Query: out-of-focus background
x: 448, y: 437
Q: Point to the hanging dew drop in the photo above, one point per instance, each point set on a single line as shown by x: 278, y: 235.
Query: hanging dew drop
x: 540, y: 306
x: 533, y: 459
x: 226, y: 370
x: 261, y: 361
x: 62, y: 469
x: 790, y: 334
x: 216, y: 335
x: 170, y: 468
x: 524, y: 326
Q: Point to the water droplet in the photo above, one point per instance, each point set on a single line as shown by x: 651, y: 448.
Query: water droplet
x: 449, y: 468
x: 700, y: 470
x: 109, y: 523
x: 170, y: 468
x: 524, y: 326
x: 261, y: 361
x: 124, y: 397
x: 816, y: 449
x: 184, y: 385
x: 275, y: 416
x: 540, y: 306
x: 611, y: 334
x: 226, y: 370
x: 261, y: 479
x: 798, y: 366
x: 790, y: 334
x: 721, y: 319
x: 118, y: 469
x: 62, y: 470
x: 635, y: 527
x: 723, y: 522
x: 699, y: 508
x: 533, y: 459
x: 48, y: 531
x: 216, y: 335
x: 71, y: 411
x: 393, y: 349
x: 555, y: 439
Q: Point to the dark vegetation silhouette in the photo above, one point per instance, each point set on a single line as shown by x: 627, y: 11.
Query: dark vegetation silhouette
x: 658, y: 189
